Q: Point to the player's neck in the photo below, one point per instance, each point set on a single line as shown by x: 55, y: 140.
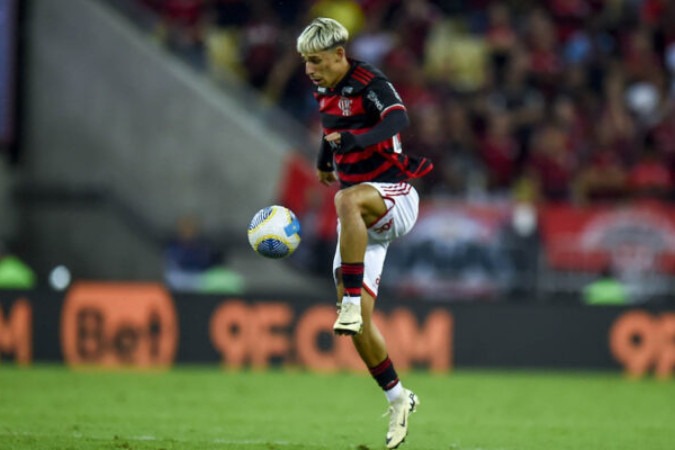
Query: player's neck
x: 345, y: 66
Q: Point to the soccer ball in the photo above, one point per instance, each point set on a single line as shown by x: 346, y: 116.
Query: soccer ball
x: 274, y: 232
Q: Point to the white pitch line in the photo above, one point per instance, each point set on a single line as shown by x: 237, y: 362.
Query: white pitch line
x: 150, y: 438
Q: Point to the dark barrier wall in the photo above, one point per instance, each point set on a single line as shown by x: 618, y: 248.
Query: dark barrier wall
x: 144, y: 325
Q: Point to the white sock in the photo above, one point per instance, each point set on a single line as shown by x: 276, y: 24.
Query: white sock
x: 352, y: 300
x: 395, y: 392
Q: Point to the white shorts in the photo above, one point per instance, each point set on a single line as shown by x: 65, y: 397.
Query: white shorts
x: 402, y: 203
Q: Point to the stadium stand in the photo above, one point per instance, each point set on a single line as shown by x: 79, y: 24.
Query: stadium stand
x: 577, y: 89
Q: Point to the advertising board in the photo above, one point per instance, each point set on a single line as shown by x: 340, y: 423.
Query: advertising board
x: 142, y: 325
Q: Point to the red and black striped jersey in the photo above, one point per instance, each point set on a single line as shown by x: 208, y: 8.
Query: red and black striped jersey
x: 358, y: 103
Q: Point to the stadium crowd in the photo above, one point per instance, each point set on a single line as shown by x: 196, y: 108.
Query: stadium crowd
x: 555, y: 100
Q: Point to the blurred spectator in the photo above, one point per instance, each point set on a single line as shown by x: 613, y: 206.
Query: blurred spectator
x: 222, y: 35
x: 545, y: 63
x: 374, y: 42
x: 650, y: 177
x: 456, y: 58
x: 502, y: 40
x: 427, y: 138
x: 414, y: 21
x: 290, y: 89
x: 347, y: 12
x: 192, y: 263
x: 663, y: 137
x: 603, y: 177
x: 260, y: 43
x: 649, y: 102
x: 521, y: 239
x: 524, y: 104
x: 181, y: 27
x: 499, y: 152
x: 551, y: 165
x: 14, y: 273
x: 574, y: 124
x: 459, y: 168
x: 444, y: 134
x: 615, y: 126
x: 410, y: 81
x: 222, y: 55
x: 640, y: 60
x: 569, y: 16
x: 651, y: 11
x: 585, y: 48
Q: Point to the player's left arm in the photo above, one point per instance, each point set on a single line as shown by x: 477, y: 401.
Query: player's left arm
x: 380, y: 98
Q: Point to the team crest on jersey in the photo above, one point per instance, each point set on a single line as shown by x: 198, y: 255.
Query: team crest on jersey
x: 345, y: 105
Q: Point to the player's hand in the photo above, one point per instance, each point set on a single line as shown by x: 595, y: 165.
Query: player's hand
x: 334, y: 139
x: 326, y: 178
x: 342, y: 142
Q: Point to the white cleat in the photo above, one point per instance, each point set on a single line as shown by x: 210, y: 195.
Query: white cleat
x: 349, y: 320
x: 399, y: 410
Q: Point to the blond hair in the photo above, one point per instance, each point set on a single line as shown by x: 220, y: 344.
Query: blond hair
x: 322, y: 34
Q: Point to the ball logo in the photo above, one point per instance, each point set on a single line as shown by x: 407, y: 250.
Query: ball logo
x: 113, y: 325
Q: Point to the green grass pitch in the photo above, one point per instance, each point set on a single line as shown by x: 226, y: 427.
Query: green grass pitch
x: 51, y: 407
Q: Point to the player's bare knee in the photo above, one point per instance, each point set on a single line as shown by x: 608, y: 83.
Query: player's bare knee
x: 346, y: 202
x: 356, y: 200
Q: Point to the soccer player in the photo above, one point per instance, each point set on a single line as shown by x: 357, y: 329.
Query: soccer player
x: 362, y: 115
